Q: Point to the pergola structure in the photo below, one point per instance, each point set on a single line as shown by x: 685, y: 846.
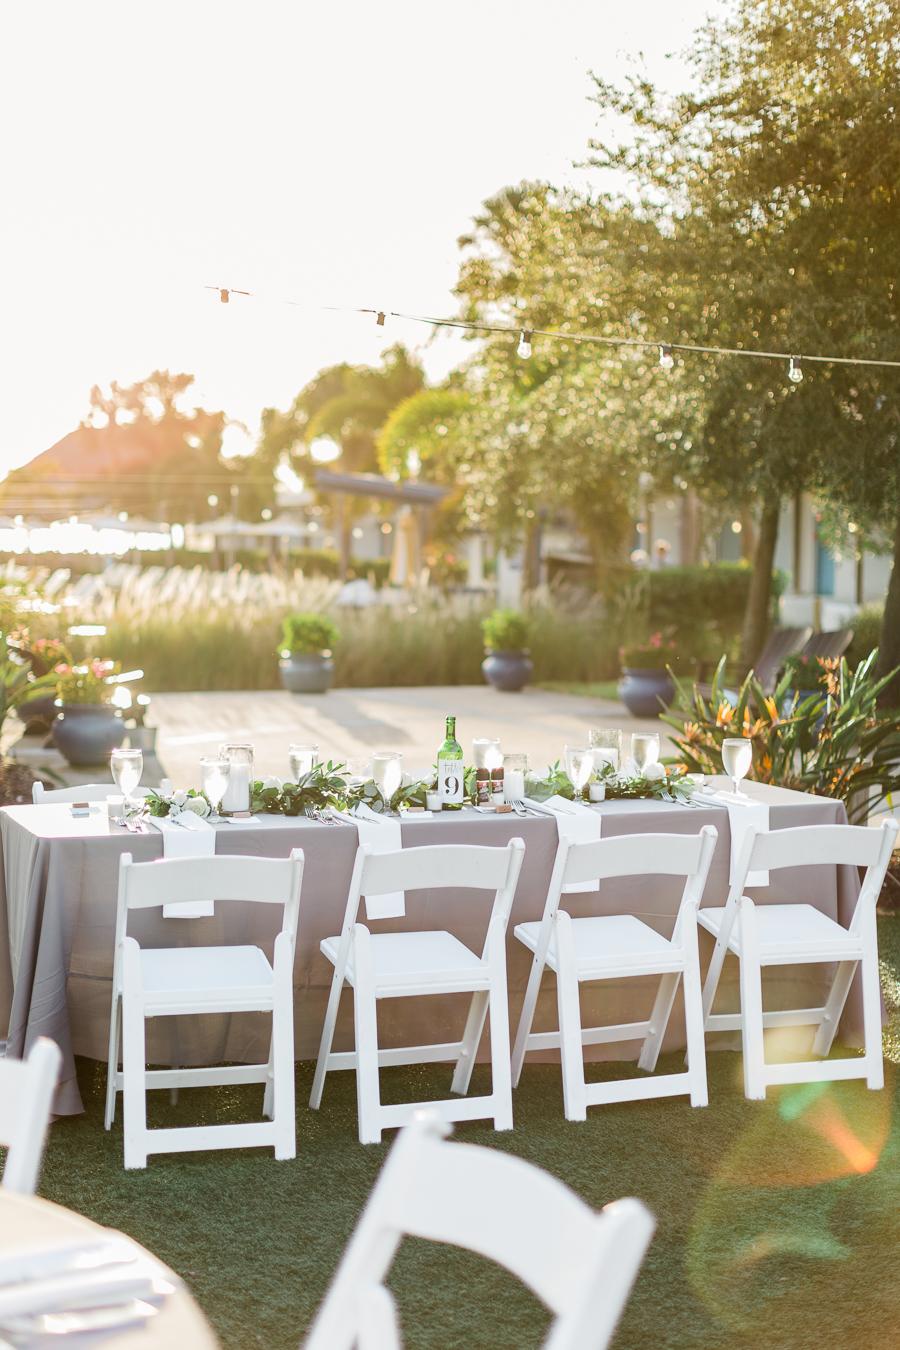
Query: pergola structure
x: 417, y: 501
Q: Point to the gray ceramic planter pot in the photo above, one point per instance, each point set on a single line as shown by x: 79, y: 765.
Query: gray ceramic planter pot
x: 86, y: 733
x: 646, y: 693
x: 38, y: 714
x: 306, y: 673
x: 509, y: 671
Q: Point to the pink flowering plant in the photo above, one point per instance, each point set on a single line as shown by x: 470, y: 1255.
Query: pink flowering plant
x: 657, y: 653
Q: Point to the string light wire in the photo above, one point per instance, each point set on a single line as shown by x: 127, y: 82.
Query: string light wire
x: 562, y: 335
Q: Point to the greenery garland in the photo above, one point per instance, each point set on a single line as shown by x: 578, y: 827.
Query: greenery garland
x: 662, y: 784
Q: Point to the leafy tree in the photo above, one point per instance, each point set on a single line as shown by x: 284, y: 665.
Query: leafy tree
x: 347, y: 405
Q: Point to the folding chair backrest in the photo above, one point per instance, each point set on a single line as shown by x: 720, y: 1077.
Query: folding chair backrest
x: 629, y: 855
x: 820, y: 845
x: 26, y: 1093
x: 579, y: 1263
x: 433, y: 866
x: 223, y: 877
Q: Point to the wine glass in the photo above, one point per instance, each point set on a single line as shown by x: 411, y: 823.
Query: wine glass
x: 606, y: 743
x: 302, y: 758
x: 644, y: 748
x: 579, y: 763
x: 387, y: 773
x: 737, y: 757
x: 126, y: 767
x: 216, y: 773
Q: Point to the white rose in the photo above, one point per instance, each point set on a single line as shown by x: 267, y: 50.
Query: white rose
x: 654, y: 773
x: 199, y: 806
x: 272, y: 782
x: 179, y: 798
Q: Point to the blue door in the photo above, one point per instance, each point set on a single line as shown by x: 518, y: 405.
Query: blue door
x: 824, y: 569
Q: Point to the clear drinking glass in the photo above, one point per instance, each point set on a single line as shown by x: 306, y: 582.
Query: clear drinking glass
x: 644, y: 748
x: 737, y: 758
x: 486, y: 752
x: 579, y: 763
x: 302, y: 758
x: 126, y: 767
x: 606, y: 743
x: 215, y: 775
x: 387, y: 772
x: 515, y: 767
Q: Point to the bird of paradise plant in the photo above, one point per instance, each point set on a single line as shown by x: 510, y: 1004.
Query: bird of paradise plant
x: 835, y: 742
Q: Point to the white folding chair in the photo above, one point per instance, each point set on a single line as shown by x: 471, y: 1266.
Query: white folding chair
x: 614, y: 947
x: 174, y: 981
x: 797, y: 934
x: 26, y: 1093
x: 579, y: 1263
x: 403, y: 965
x: 87, y: 792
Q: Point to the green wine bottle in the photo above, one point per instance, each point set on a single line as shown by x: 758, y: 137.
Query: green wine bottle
x: 451, y: 771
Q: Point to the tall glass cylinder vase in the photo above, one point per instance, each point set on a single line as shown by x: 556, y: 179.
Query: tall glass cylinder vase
x: 237, y: 794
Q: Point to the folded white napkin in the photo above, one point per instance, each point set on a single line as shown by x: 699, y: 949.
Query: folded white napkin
x: 187, y: 836
x: 577, y: 824
x: 744, y: 813
x: 383, y: 835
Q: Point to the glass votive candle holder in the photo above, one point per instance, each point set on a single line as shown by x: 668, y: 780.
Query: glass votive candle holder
x: 302, y: 758
x: 486, y: 752
x: 237, y: 794
x: 433, y: 801
x: 515, y: 767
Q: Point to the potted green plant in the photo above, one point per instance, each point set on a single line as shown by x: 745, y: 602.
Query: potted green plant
x: 506, y: 665
x: 87, y: 726
x: 646, y: 687
x: 307, y: 641
x: 38, y: 709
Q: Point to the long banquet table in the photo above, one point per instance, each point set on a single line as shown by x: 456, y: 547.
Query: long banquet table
x: 58, y: 902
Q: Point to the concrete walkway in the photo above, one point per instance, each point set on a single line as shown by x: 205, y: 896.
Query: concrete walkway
x: 348, y: 724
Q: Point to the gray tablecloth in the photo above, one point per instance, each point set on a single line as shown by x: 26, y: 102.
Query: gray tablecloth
x: 57, y: 924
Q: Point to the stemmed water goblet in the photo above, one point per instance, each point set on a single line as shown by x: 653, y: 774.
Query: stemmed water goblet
x: 579, y: 764
x: 737, y: 759
x: 126, y: 767
x: 645, y: 749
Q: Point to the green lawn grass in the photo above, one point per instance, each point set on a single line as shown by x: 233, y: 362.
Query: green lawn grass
x: 778, y: 1221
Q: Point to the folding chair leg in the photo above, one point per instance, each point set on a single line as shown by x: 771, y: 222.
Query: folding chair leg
x: 693, y: 1014
x: 834, y: 1007
x: 871, y: 990
x: 572, y: 1054
x: 134, y: 1066
x: 526, y: 1019
x: 751, y: 1005
x: 284, y: 1116
x: 365, y: 1016
x: 713, y: 975
x: 462, y: 1074
x: 112, y: 1061
x: 501, y: 1080
x: 659, y: 1020
x: 269, y: 1093
x: 331, y: 1012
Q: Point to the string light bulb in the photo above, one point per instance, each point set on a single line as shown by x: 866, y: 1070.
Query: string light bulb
x: 795, y: 370
x: 666, y: 359
x: 379, y: 318
x: 524, y: 347
x: 224, y: 295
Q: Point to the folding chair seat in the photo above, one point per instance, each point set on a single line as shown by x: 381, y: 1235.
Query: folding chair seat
x: 579, y: 1263
x: 762, y: 935
x: 179, y: 981
x: 614, y: 947
x: 403, y: 965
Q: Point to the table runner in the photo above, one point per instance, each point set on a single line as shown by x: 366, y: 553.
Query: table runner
x: 57, y: 922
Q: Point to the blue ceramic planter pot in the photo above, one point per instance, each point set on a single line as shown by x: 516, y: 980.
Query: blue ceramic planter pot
x: 38, y: 714
x: 306, y: 673
x: 646, y: 693
x: 86, y: 733
x: 509, y: 671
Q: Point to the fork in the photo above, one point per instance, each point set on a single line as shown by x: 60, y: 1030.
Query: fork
x: 518, y: 806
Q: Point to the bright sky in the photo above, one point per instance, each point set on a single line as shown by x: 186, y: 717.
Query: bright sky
x: 329, y: 153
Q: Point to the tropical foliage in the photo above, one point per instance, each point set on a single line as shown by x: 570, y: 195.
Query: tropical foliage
x: 833, y: 743
x: 308, y: 634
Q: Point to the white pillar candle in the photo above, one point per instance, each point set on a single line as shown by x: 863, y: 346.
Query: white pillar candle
x: 514, y: 786
x: 237, y: 794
